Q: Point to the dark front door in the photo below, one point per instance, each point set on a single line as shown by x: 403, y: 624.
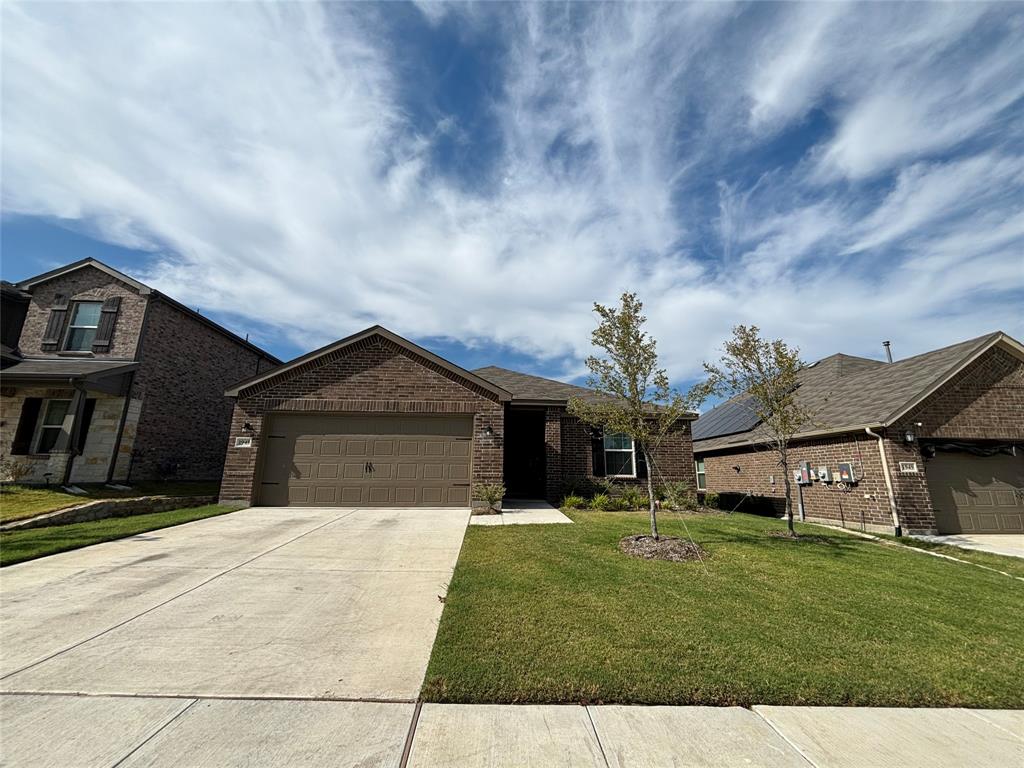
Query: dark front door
x: 524, y: 453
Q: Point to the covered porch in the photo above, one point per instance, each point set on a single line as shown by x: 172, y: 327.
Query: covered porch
x: 67, y: 420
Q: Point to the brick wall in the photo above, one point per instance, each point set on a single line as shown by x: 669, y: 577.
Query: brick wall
x: 864, y: 506
x: 184, y: 368
x: 673, y: 459
x: 86, y: 284
x: 371, y: 376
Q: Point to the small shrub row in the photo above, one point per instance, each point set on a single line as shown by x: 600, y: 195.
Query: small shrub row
x: 679, y: 496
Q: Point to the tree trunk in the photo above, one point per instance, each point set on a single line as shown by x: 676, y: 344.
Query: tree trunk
x: 789, y: 491
x: 650, y: 493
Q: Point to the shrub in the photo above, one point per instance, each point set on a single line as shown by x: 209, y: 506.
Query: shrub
x: 491, y: 494
x: 680, y: 495
x: 711, y: 500
x: 601, y: 501
x: 633, y: 498
x: 572, y: 501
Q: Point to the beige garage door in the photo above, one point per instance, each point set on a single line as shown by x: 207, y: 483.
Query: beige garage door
x: 977, y: 494
x: 386, y: 461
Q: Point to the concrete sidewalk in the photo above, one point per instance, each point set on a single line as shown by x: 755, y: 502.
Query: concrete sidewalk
x: 188, y: 731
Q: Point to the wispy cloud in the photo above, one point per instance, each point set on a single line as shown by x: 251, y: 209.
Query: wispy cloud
x: 268, y: 157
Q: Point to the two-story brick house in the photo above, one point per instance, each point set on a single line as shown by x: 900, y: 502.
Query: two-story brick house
x: 112, y: 381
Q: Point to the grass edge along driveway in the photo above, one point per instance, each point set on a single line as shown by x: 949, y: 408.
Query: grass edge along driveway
x: 548, y: 614
x: 19, y: 546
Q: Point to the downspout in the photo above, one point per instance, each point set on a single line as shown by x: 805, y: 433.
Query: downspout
x: 888, y: 480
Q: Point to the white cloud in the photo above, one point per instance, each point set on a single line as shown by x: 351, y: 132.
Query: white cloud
x: 266, y: 153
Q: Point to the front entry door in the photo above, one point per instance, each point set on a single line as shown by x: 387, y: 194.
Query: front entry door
x: 524, y: 454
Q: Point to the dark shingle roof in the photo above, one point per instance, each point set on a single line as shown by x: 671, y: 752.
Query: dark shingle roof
x: 58, y: 369
x: 845, y: 392
x: 523, y: 386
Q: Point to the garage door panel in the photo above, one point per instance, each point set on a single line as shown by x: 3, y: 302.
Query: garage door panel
x: 977, y: 494
x: 367, y: 461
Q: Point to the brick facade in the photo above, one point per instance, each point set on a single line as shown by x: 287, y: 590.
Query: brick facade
x: 985, y: 401
x: 184, y: 368
x: 85, y: 284
x: 369, y: 376
x: 673, y: 459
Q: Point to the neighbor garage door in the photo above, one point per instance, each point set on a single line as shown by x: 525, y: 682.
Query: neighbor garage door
x: 977, y: 494
x: 386, y: 461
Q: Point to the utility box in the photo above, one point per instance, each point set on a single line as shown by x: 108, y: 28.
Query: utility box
x: 847, y: 473
x: 806, y: 473
x: 825, y: 474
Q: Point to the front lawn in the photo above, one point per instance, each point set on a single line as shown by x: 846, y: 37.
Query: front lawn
x: 554, y: 613
x: 18, y: 546
x: 18, y: 502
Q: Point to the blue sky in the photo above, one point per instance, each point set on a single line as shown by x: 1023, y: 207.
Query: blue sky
x: 475, y: 176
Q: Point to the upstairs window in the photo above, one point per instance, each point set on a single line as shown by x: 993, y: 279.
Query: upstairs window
x: 619, y: 456
x: 85, y: 320
x: 701, y: 479
x: 51, y: 425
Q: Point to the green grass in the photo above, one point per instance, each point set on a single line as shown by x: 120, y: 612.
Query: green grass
x: 20, y: 501
x: 1011, y: 565
x: 556, y: 614
x: 18, y: 546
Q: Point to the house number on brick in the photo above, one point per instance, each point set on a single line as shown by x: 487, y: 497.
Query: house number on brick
x: 243, y: 442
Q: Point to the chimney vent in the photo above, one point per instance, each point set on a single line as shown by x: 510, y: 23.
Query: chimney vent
x: 888, y: 351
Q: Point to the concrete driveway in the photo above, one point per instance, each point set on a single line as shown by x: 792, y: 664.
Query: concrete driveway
x: 338, y: 604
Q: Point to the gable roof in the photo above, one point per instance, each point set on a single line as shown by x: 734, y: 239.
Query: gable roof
x: 375, y: 330
x: 144, y: 290
x: 849, y: 393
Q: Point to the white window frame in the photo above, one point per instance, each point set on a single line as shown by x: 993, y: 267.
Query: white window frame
x: 73, y: 309
x: 42, y: 425
x: 700, y: 469
x: 631, y: 451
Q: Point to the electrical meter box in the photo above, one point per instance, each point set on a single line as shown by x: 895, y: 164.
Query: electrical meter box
x: 846, y: 473
x: 806, y: 473
x: 824, y: 474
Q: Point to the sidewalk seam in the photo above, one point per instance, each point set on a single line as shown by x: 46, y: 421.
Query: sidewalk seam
x: 597, y: 736
x: 410, y: 735
x: 784, y: 737
x: 171, y: 599
x: 153, y: 735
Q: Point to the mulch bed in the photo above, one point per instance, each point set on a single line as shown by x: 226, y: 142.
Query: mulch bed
x: 666, y: 548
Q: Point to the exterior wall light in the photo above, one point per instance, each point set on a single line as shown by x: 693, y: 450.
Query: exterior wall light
x: 489, y: 431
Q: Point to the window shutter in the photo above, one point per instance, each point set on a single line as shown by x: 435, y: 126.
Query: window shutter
x: 26, y: 426
x: 641, y: 464
x: 597, y: 448
x: 82, y: 426
x: 56, y: 323
x: 105, y: 331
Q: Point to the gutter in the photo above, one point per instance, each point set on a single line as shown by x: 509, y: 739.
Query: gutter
x: 888, y: 481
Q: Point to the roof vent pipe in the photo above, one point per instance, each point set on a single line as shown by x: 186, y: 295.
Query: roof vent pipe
x: 888, y: 350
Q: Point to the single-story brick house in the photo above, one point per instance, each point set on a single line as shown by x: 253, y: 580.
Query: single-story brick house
x: 104, y: 379
x: 374, y: 419
x: 930, y: 444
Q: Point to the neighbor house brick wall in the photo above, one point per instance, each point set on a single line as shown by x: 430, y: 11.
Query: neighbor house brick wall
x: 184, y: 368
x: 864, y: 505
x: 85, y: 284
x: 370, y: 376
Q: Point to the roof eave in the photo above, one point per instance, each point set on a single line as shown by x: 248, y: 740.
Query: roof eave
x: 26, y: 285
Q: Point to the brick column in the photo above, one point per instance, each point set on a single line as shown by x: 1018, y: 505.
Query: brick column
x: 553, y: 454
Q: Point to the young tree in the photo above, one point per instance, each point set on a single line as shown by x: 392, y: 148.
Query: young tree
x: 766, y: 372
x: 634, y: 396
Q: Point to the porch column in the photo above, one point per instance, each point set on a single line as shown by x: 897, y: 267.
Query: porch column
x: 68, y: 441
x: 553, y: 453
